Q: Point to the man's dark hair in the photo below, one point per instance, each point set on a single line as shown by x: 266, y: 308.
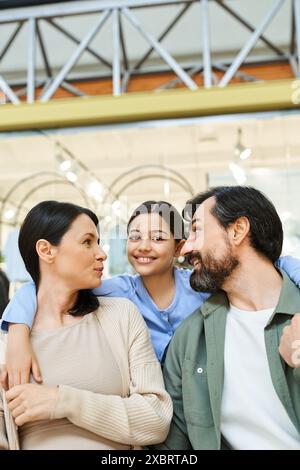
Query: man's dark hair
x: 50, y: 220
x: 232, y: 202
x: 168, y: 212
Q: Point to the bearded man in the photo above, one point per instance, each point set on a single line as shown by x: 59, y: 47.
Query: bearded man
x: 232, y: 368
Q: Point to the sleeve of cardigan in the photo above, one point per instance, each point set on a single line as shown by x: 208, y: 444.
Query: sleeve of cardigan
x: 144, y: 416
x: 3, y: 434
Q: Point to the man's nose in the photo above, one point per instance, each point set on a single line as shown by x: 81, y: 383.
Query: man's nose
x: 186, y: 248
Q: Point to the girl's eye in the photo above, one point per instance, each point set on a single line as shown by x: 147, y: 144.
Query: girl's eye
x: 157, y: 238
x: 134, y: 237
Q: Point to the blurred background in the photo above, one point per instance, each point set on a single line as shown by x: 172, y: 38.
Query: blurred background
x: 110, y: 103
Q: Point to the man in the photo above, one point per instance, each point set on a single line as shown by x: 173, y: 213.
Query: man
x: 232, y: 383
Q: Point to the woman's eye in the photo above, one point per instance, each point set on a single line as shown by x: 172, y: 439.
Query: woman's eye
x: 87, y: 242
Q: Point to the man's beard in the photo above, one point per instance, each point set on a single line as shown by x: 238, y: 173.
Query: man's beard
x: 212, y: 272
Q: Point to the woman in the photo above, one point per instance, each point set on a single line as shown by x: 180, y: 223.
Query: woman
x: 103, y: 384
x: 161, y: 292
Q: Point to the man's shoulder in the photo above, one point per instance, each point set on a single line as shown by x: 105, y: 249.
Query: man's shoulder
x: 211, y: 304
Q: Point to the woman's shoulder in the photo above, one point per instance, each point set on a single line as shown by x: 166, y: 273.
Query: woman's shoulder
x: 117, y: 308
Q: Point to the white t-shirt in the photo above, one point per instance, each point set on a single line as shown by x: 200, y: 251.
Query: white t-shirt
x: 252, y: 416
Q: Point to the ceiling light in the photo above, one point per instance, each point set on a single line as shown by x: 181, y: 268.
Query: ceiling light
x: 238, y: 173
x: 116, y: 207
x: 166, y: 188
x: 95, y: 190
x: 65, y: 165
x: 9, y: 214
x: 240, y: 151
x: 71, y: 176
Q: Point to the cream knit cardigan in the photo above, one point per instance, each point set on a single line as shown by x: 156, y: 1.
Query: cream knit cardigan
x: 142, y: 415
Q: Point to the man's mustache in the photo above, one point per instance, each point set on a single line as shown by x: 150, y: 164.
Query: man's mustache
x: 194, y: 257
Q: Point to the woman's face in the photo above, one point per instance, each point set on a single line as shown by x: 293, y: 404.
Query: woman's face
x: 78, y: 260
x: 151, y: 245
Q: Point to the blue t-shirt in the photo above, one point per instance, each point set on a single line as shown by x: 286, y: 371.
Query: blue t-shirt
x: 161, y: 323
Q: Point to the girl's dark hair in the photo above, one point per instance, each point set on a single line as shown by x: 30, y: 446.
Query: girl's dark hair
x: 168, y: 212
x: 51, y: 220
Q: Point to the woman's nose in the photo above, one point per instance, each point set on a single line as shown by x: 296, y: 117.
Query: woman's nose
x: 101, y: 254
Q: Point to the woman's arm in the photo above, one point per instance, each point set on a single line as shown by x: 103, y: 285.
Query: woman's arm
x: 141, y: 418
x: 3, y: 435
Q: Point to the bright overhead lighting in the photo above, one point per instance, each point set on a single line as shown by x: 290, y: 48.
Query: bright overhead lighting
x: 71, y: 176
x: 238, y: 173
x: 65, y: 165
x: 116, y: 207
x: 246, y: 153
x: 9, y: 214
x: 95, y: 190
x: 240, y: 151
x: 166, y: 188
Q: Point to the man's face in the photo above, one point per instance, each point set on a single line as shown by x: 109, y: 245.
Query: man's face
x: 209, y: 251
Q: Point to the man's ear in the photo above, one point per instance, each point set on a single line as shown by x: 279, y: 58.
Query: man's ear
x: 179, y: 247
x: 239, y: 230
x: 45, y: 250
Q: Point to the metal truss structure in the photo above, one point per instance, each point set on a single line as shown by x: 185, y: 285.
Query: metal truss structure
x: 119, y: 69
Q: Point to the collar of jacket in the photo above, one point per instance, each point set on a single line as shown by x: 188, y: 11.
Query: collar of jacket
x: 288, y: 302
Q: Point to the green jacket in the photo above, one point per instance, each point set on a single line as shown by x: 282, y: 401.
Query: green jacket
x: 194, y: 370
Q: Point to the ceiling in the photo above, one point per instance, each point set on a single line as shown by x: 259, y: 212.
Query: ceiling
x: 184, y: 42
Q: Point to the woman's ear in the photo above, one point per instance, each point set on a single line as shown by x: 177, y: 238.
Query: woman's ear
x: 45, y: 250
x: 178, y: 247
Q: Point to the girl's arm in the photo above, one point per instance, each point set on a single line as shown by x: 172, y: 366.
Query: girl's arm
x: 117, y: 286
x: 21, y: 308
x: 291, y: 266
x: 17, y: 320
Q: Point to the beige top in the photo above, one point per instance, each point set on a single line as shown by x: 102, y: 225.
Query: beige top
x: 111, y: 392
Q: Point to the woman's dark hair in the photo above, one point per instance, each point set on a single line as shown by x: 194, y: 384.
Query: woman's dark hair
x: 168, y: 212
x: 50, y: 220
x: 232, y: 202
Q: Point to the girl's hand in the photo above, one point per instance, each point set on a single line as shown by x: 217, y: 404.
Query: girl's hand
x: 20, y: 358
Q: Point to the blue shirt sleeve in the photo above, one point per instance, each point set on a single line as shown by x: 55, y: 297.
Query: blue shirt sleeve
x: 117, y: 286
x: 21, y: 308
x: 291, y: 266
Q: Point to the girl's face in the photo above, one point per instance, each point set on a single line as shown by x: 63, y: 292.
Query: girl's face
x: 151, y: 246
